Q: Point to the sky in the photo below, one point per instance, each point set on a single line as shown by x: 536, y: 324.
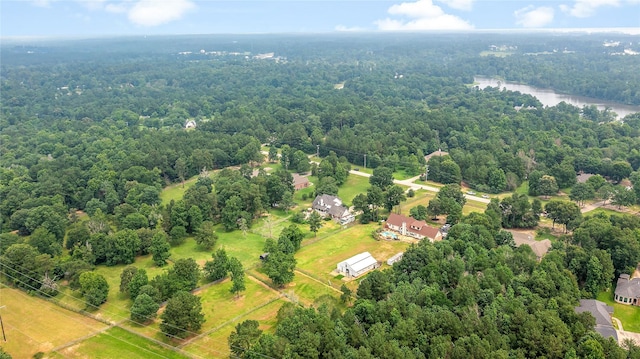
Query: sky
x: 89, y: 18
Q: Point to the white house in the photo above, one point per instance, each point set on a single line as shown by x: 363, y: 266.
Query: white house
x: 410, y: 227
x: 358, y: 265
x: 327, y: 205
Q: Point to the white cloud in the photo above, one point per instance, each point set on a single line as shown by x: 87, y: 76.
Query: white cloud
x: 154, y: 13
x: 532, y: 17
x: 458, y: 4
x: 425, y: 15
x: 586, y: 8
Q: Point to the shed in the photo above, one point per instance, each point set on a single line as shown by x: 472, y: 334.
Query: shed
x: 358, y: 265
x: 396, y: 257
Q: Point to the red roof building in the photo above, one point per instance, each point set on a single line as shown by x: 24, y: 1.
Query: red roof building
x: 411, y: 227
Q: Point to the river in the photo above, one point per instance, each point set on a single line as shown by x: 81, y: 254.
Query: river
x: 551, y: 98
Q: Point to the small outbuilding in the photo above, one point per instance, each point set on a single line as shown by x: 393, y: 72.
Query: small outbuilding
x: 396, y: 258
x: 358, y: 265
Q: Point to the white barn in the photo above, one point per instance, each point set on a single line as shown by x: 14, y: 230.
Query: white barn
x: 395, y: 258
x: 358, y: 265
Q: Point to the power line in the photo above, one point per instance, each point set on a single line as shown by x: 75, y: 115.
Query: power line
x: 75, y: 320
x: 86, y: 303
x: 127, y: 318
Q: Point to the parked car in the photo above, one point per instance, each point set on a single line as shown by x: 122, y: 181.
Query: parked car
x: 485, y: 196
x: 471, y: 193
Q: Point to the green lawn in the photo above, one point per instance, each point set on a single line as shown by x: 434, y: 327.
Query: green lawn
x: 118, y: 343
x: 320, y: 258
x: 176, y: 191
x: 352, y: 187
x: 215, y: 345
x: 524, y: 188
x: 628, y: 315
x: 402, y: 175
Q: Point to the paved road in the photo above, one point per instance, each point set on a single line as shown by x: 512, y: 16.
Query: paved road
x: 415, y: 186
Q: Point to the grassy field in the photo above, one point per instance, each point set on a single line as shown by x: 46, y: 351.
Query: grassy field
x: 118, y: 343
x: 423, y: 197
x: 219, y: 307
x: 33, y: 325
x: 355, y: 184
x: 628, y: 315
x: 320, y: 258
x: 176, y: 191
x: 215, y: 345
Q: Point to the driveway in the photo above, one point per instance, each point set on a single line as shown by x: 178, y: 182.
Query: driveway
x: 415, y: 186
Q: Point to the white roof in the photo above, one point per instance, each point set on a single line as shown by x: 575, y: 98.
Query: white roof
x: 361, y: 261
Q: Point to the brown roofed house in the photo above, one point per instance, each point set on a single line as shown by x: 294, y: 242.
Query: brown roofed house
x: 411, y: 227
x: 300, y: 182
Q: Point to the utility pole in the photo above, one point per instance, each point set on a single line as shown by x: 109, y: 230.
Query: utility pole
x: 365, y: 160
x: 2, y: 325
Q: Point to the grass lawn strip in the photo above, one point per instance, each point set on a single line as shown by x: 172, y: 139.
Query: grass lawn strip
x: 119, y: 343
x: 34, y: 325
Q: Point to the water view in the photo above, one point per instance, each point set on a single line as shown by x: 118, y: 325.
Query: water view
x: 551, y: 98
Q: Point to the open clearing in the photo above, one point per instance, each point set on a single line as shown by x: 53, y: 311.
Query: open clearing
x: 118, y: 343
x: 320, y: 258
x: 33, y: 325
x: 215, y: 344
x: 219, y: 306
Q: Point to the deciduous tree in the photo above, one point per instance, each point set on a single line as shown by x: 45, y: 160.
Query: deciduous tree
x: 182, y: 315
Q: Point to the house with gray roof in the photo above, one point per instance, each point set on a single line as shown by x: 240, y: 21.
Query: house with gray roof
x: 328, y: 205
x: 627, y: 290
x: 602, y: 313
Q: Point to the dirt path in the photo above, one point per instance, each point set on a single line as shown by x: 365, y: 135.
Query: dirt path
x: 591, y: 207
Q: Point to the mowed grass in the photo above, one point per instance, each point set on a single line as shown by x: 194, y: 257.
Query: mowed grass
x: 119, y: 343
x: 219, y: 307
x: 423, y: 197
x: 215, y: 344
x: 320, y: 258
x: 352, y: 187
x: 629, y: 315
x: 35, y: 325
x: 176, y: 191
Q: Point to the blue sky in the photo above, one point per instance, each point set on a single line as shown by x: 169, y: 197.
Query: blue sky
x: 86, y: 18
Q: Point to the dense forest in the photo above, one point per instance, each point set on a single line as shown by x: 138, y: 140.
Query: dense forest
x: 97, y: 127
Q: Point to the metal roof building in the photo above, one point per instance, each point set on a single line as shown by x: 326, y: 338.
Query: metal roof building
x: 358, y: 265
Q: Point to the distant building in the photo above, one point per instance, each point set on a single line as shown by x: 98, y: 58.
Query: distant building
x: 411, y: 227
x: 627, y: 290
x: 438, y: 153
x: 396, y: 258
x: 583, y: 177
x: 300, y: 182
x: 358, y: 265
x: 602, y: 313
x: 190, y: 124
x: 540, y: 248
x: 328, y: 205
